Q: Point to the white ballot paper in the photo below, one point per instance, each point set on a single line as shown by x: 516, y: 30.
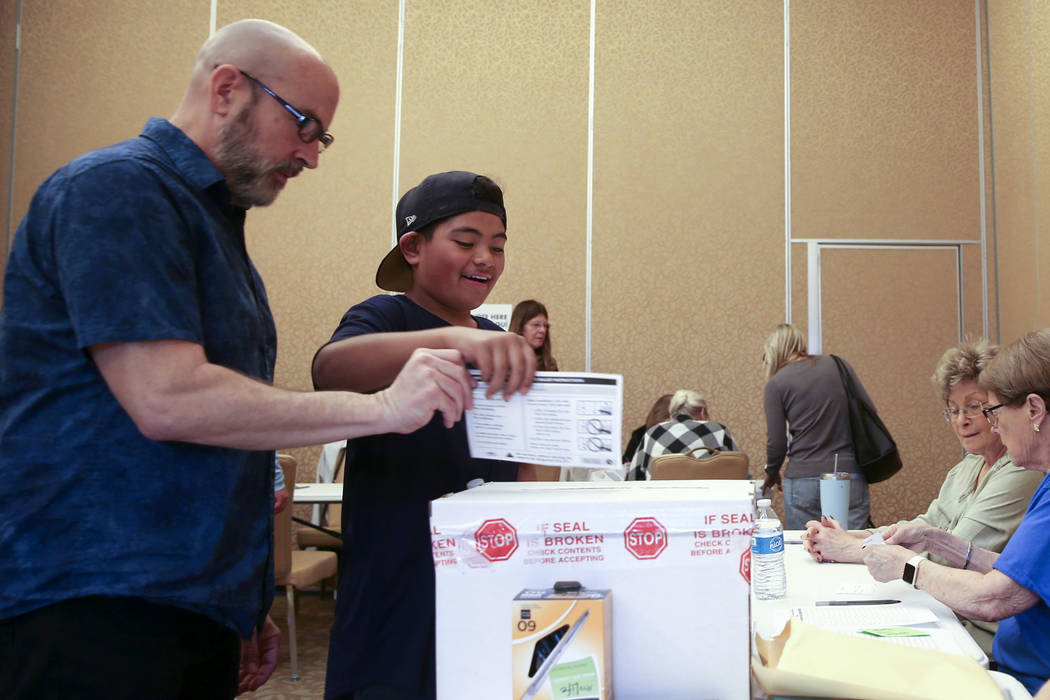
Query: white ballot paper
x: 566, y: 420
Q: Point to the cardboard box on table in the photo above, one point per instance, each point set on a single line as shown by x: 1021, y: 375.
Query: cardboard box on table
x: 675, y: 555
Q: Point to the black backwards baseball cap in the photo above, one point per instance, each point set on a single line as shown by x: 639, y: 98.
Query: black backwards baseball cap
x: 437, y: 197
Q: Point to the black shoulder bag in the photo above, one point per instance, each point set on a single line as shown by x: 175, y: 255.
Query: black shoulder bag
x: 876, y: 452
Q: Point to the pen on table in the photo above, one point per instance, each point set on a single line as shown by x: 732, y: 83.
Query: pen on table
x: 857, y: 602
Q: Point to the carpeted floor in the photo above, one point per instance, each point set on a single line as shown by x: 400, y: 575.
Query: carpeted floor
x: 313, y: 621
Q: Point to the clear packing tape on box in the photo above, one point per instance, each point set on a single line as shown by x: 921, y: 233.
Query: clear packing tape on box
x: 808, y: 661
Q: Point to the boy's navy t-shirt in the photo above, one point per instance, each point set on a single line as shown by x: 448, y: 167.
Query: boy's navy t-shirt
x: 383, y: 632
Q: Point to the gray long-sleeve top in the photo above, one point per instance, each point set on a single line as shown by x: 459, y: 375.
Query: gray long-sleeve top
x: 808, y: 396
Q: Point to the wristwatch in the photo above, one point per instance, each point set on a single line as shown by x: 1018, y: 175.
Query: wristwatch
x: 911, y: 570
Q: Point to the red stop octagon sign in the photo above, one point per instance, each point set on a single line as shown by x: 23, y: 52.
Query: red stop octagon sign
x: 745, y: 564
x: 496, y: 539
x: 645, y: 538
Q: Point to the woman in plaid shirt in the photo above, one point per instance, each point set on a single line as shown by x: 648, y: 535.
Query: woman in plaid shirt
x: 687, y: 429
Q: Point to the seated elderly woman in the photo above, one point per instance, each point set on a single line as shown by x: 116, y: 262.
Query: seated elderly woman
x: 688, y: 428
x: 983, y: 498
x: 1014, y: 586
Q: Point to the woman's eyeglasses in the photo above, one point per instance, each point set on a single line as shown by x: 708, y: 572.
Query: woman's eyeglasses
x: 992, y: 414
x: 970, y: 410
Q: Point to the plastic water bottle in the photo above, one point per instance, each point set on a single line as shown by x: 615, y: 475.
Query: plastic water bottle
x: 768, y: 579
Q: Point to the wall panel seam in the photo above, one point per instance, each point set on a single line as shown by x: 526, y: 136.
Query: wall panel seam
x: 1035, y: 164
x: 993, y: 182
x: 9, y: 222
x: 590, y: 191
x: 398, y: 80
x: 981, y: 177
x: 787, y: 161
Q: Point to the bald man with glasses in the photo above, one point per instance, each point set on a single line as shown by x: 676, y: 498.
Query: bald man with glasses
x: 137, y: 414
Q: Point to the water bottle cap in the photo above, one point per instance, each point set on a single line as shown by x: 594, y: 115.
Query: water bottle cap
x: 764, y: 502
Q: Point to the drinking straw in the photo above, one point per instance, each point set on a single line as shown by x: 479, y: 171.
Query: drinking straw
x: 836, y: 462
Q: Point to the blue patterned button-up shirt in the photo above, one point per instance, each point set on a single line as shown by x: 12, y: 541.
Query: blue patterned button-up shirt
x: 134, y: 242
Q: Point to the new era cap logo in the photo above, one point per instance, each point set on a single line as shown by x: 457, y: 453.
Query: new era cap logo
x: 409, y: 219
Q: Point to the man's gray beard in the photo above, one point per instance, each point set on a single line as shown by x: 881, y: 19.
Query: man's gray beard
x: 246, y: 175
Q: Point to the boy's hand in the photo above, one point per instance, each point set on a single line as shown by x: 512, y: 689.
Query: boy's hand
x: 505, y: 360
x: 431, y: 380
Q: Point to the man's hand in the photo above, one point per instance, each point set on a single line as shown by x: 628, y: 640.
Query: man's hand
x: 431, y: 380
x: 505, y: 360
x: 258, y: 657
x: 281, y: 499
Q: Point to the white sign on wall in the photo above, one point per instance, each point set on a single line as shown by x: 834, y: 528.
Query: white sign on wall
x: 497, y: 313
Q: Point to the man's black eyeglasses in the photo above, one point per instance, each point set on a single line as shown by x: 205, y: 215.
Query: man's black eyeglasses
x: 309, y: 128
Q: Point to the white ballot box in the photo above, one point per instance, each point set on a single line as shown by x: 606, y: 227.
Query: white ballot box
x: 675, y: 556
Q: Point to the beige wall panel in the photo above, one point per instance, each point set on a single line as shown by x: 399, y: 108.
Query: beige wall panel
x: 1040, y: 38
x: 92, y: 73
x: 318, y: 246
x: 501, y: 89
x: 689, y: 202
x: 1015, y: 196
x: 884, y: 140
x: 894, y: 340
x: 973, y: 316
x: 799, y: 288
x: 8, y: 22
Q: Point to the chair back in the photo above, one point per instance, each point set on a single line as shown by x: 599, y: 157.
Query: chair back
x: 716, y: 465
x: 282, y: 526
x: 334, y: 512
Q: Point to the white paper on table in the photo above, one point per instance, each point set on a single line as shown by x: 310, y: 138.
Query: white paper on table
x: 864, y: 616
x: 872, y: 539
x: 565, y: 420
x: 861, y: 589
x: 939, y: 640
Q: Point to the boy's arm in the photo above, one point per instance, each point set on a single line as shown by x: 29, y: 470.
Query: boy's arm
x: 370, y: 361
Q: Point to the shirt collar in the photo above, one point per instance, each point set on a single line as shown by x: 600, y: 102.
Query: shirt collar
x: 191, y: 162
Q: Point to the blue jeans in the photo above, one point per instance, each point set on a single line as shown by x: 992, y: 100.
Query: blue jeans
x: 802, y: 502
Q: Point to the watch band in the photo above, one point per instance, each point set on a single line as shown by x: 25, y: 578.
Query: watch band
x: 911, y: 570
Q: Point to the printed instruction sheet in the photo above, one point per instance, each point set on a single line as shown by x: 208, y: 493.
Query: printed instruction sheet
x: 566, y: 420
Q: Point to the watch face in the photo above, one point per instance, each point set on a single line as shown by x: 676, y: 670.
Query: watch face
x: 909, y: 572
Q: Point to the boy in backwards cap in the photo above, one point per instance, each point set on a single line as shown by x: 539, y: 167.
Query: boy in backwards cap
x: 450, y: 253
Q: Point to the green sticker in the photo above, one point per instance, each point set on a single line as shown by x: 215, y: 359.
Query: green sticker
x: 575, y: 679
x: 896, y: 632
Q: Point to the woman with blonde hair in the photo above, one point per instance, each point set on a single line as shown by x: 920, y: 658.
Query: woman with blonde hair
x: 804, y: 396
x: 689, y: 427
x: 1012, y: 587
x: 529, y: 320
x: 983, y: 497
